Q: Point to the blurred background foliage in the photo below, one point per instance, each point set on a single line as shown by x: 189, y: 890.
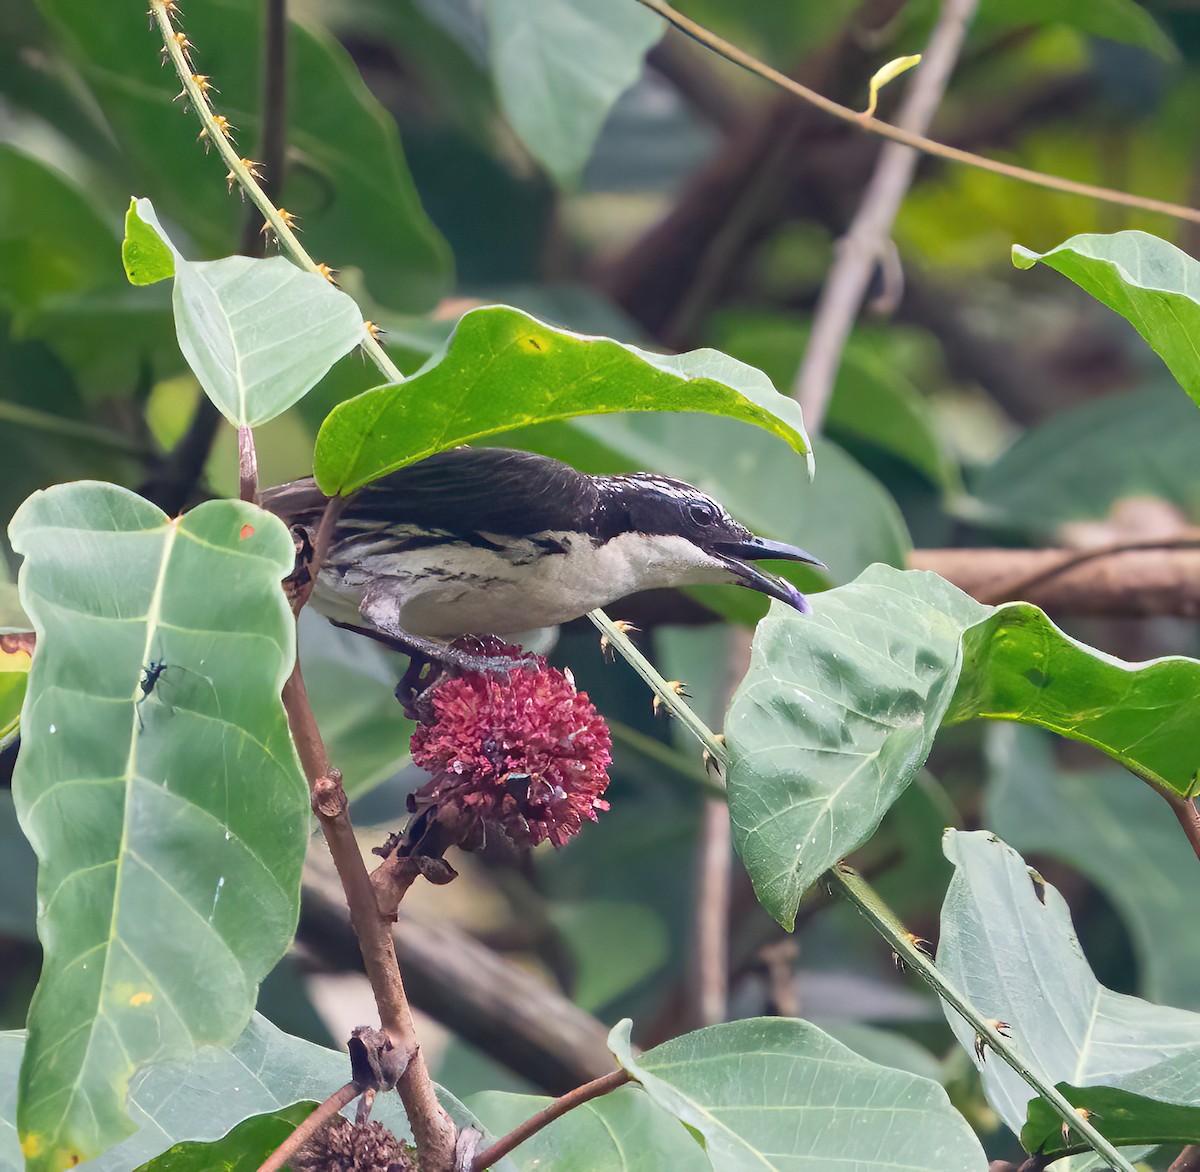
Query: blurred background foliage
x: 992, y: 407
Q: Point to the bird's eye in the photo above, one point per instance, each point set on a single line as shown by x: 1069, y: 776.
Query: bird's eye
x: 702, y: 513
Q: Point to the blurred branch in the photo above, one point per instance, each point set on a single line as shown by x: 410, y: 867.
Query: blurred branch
x: 897, y: 134
x: 860, y: 249
x: 1131, y: 580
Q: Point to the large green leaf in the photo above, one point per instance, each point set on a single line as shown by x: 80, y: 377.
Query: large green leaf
x: 201, y: 1099
x: 559, y: 66
x: 52, y: 242
x: 1083, y: 460
x: 1121, y: 836
x: 258, y: 334
x: 348, y: 180
x: 158, y: 785
x: 1007, y: 943
x: 839, y: 710
x: 1151, y: 283
x: 245, y: 1147
x: 503, y: 368
x: 625, y: 1131
x: 874, y: 402
x: 777, y: 1093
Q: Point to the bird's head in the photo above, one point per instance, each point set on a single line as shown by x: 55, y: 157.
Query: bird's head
x: 685, y: 537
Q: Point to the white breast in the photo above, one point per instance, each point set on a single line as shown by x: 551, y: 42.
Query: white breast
x: 451, y: 590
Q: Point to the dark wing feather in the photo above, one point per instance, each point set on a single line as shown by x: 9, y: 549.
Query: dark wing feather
x: 465, y: 490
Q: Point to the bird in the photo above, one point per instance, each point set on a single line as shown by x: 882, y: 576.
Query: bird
x: 496, y: 541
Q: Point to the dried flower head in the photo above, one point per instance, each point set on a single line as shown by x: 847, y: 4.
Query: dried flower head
x: 342, y: 1146
x: 527, y: 755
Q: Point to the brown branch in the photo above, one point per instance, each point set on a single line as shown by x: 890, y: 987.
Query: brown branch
x: 432, y: 1129
x: 907, y: 138
x: 1185, y: 811
x: 496, y: 1004
x: 1132, y: 580
x: 860, y: 250
x: 547, y: 1115
x: 306, y: 1130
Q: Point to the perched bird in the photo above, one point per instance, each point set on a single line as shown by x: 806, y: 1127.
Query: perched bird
x: 501, y: 542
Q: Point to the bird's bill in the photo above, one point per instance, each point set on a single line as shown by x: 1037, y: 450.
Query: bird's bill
x: 738, y: 556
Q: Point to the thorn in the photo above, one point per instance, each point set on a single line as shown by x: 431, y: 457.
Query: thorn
x: 676, y: 686
x: 1083, y: 1114
x: 251, y: 166
x: 329, y: 274
x: 377, y: 332
x: 204, y: 83
x: 711, y: 763
x: 981, y: 1041
x: 919, y: 944
x: 184, y: 44
x: 606, y: 643
x: 289, y: 219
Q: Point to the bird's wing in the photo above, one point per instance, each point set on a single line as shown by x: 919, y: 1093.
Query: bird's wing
x: 464, y: 490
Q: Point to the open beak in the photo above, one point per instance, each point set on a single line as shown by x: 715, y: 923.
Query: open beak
x: 739, y: 554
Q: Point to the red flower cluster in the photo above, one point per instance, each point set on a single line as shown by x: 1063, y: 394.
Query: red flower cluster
x: 527, y: 755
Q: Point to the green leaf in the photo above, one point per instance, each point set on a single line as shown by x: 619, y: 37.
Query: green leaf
x: 1152, y: 284
x: 349, y: 182
x: 874, y: 402
x: 258, y: 334
x: 560, y: 65
x: 153, y: 720
x: 503, y: 368
x: 202, y: 1098
x: 1007, y: 943
x: 839, y: 710
x: 1083, y: 460
x: 1116, y: 20
x: 52, y: 241
x: 245, y: 1147
x: 146, y: 252
x: 1120, y: 835
x: 624, y: 1131
x: 778, y: 1093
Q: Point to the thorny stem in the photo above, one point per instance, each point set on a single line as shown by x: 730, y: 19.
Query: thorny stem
x: 322, y: 1115
x: 659, y: 685
x: 288, y: 241
x: 885, y: 922
x: 881, y: 917
x: 580, y: 1095
x: 928, y: 146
